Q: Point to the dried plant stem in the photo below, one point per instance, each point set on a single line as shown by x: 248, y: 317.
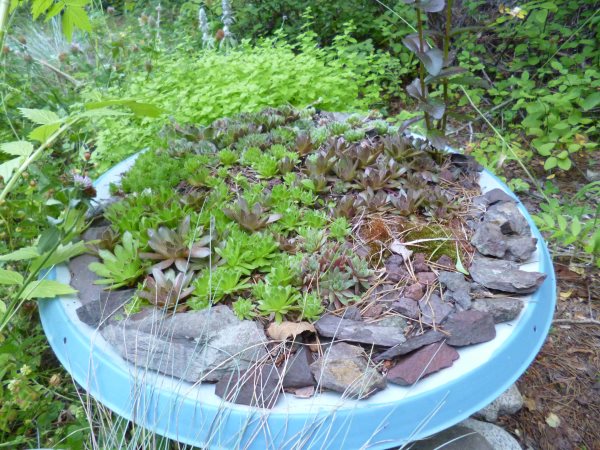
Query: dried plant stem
x: 4, y: 7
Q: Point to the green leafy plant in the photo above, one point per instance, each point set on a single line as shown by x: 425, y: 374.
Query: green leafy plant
x: 251, y: 219
x: 244, y: 309
x: 310, y: 307
x: 215, y: 284
x: 121, y: 268
x: 276, y: 300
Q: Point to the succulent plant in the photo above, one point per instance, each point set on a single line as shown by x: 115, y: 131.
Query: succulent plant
x: 244, y: 309
x: 310, y: 307
x: 166, y: 289
x: 250, y: 219
x: 345, y: 168
x: 345, y: 207
x: 304, y: 145
x: 276, y: 300
x: 247, y: 253
x: 337, y: 287
x: 214, y: 284
x: 121, y: 268
x: 339, y: 228
x: 319, y: 164
x: 170, y: 246
x: 372, y: 201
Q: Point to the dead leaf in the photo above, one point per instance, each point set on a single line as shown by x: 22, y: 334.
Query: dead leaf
x: 288, y: 330
x: 400, y: 249
x: 530, y: 404
x: 305, y: 392
x: 553, y: 420
x: 564, y: 295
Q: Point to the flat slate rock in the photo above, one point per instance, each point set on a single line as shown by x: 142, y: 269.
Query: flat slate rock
x: 198, y: 325
x: 235, y: 347
x: 469, y: 327
x: 258, y: 387
x: 504, y: 275
x: 425, y: 361
x: 297, y: 369
x: 414, y: 291
x: 407, y: 307
x: 497, y: 195
x: 489, y: 240
x: 345, y: 369
x: 412, y: 343
x: 97, y: 314
x: 458, y: 288
x: 434, y: 310
x: 358, y: 331
x: 502, y: 309
x: 498, y: 438
x: 457, y: 437
x: 83, y: 278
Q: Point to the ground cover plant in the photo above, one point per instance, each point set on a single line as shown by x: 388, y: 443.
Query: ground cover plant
x: 315, y: 229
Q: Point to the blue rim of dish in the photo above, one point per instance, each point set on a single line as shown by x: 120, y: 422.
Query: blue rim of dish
x: 357, y: 424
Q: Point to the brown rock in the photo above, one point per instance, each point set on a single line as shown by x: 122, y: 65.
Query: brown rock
x: 419, y: 264
x: 469, y: 327
x: 446, y: 262
x: 423, y: 362
x: 414, y: 291
x: 427, y: 278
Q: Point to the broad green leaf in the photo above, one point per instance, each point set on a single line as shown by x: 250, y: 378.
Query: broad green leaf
x: 46, y: 289
x: 562, y: 222
x: 21, y: 254
x: 10, y: 277
x: 102, y: 112
x: 43, y: 132
x: 591, y: 101
x: 550, y: 163
x: 48, y: 239
x: 17, y: 148
x: 55, y: 10
x: 544, y: 149
x: 564, y: 164
x: 2, y: 310
x: 8, y: 167
x: 40, y: 116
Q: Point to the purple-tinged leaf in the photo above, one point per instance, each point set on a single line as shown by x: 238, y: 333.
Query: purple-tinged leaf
x: 414, y: 89
x: 433, y: 60
x: 444, y: 73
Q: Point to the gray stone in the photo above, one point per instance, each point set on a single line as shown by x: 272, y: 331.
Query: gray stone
x: 344, y: 368
x: 257, y: 386
x: 498, y: 438
x: 446, y: 262
x: 457, y: 437
x: 520, y: 248
x: 425, y: 361
x: 352, y: 313
x: 83, y: 278
x: 357, y: 331
x: 297, y: 369
x: 395, y: 269
x: 407, y: 307
x: 469, y: 327
x: 497, y: 195
x: 502, y: 309
x: 508, y: 217
x: 98, y: 313
x: 393, y: 321
x: 230, y: 348
x: 509, y: 402
x: 434, y: 310
x: 94, y: 233
x: 458, y: 288
x: 489, y: 240
x: 198, y: 325
x: 419, y: 263
x: 504, y: 275
x: 412, y: 343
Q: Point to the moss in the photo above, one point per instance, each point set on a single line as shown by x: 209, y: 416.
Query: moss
x: 432, y: 249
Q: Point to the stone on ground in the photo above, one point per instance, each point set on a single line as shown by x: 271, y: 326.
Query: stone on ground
x: 469, y: 327
x: 498, y: 438
x: 504, y: 275
x: 344, y: 368
x: 358, y: 331
x: 257, y: 386
x: 423, y: 362
x: 502, y: 309
x: 510, y: 402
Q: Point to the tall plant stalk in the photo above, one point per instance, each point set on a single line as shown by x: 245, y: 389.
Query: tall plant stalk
x: 421, y: 65
x: 447, y: 29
